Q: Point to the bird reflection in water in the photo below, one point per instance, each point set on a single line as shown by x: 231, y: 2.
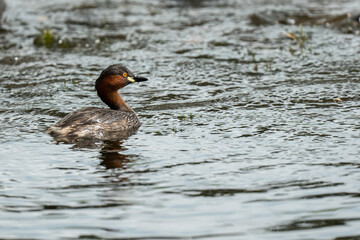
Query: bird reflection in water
x: 110, y: 152
x: 111, y: 157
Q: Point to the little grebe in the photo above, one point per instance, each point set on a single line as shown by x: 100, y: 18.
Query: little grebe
x: 98, y: 123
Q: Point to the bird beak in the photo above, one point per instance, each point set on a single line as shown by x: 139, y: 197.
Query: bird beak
x: 136, y: 79
x: 140, y: 79
x: 130, y: 79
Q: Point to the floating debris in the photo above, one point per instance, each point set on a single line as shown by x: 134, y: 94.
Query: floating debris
x: 48, y: 39
x: 301, y: 39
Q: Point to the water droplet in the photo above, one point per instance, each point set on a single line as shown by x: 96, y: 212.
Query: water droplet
x: 87, y: 45
x: 16, y: 58
x: 97, y: 41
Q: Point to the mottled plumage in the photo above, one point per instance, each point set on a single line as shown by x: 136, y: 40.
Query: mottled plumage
x: 95, y: 123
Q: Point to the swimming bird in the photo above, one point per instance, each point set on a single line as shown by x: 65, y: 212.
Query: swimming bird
x: 118, y: 121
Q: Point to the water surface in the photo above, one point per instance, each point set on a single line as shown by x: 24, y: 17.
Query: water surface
x: 246, y: 134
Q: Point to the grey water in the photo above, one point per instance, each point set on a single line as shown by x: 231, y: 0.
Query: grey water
x: 250, y: 120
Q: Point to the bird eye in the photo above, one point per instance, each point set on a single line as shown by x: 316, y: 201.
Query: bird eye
x: 125, y: 74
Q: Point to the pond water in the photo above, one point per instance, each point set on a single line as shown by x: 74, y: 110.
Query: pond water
x: 250, y: 120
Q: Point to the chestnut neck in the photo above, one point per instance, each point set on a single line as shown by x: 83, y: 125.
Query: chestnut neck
x: 113, y: 99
